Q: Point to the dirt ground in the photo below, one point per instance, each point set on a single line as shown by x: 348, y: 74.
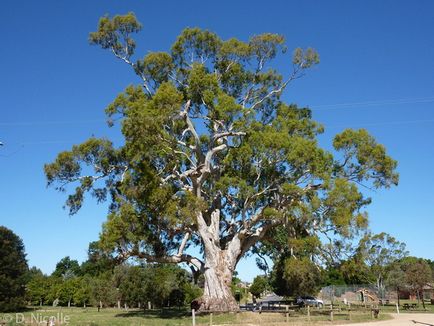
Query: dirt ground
x: 404, y: 320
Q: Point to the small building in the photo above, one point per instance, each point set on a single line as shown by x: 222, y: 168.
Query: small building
x: 427, y: 293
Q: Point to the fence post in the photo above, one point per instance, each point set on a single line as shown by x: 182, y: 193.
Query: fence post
x: 193, y: 317
x: 287, y: 315
x: 397, y: 308
x: 331, y: 315
x: 210, y: 319
x: 308, y: 312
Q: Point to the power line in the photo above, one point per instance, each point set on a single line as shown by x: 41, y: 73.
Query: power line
x: 374, y: 103
x: 321, y: 106
x: 389, y: 123
x: 46, y: 123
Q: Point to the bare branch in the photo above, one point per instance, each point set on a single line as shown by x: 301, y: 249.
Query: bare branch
x: 183, y: 243
x: 174, y: 259
x: 127, y: 60
x: 228, y: 134
x: 192, y: 129
x: 278, y: 90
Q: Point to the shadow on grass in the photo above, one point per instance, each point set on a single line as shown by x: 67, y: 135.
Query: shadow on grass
x: 24, y: 309
x: 158, y: 313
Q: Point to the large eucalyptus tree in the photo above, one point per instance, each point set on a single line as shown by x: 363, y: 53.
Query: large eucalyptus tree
x: 214, y: 158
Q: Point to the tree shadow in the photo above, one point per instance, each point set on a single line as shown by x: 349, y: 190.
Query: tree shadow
x: 21, y: 309
x: 422, y: 323
x: 157, y: 313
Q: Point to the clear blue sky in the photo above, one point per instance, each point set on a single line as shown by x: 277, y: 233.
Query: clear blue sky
x: 377, y: 57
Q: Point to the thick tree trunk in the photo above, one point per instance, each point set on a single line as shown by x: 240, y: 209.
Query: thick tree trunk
x: 218, y: 271
x: 217, y: 294
x: 218, y: 268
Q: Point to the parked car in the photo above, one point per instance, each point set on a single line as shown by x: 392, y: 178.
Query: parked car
x: 306, y: 300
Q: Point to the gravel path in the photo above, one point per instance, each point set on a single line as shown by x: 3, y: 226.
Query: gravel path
x: 404, y: 320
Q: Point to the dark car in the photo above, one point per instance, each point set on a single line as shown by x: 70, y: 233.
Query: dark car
x: 309, y: 301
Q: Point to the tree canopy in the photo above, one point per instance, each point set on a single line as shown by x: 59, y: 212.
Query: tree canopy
x: 13, y: 271
x: 67, y: 268
x: 213, y: 157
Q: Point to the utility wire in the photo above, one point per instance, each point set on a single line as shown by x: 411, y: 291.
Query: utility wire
x: 374, y: 103
x: 321, y: 106
x: 46, y: 123
x: 388, y: 123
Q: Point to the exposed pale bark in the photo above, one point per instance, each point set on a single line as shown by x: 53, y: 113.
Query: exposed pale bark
x: 217, y: 294
x: 220, y: 263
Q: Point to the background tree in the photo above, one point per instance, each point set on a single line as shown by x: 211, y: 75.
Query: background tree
x: 417, y: 275
x: 83, y: 292
x: 355, y: 271
x: 293, y: 277
x: 379, y: 251
x: 396, y: 279
x: 13, y: 271
x: 212, y: 156
x: 67, y: 290
x: 191, y: 292
x: 103, y: 291
x: 98, y: 261
x: 259, y: 285
x: 134, y: 285
x: 333, y: 276
x: 66, y: 268
x: 34, y: 271
x: 37, y: 289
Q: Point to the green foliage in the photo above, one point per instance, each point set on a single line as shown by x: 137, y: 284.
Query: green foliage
x: 292, y: 277
x: 417, y: 273
x: 208, y: 132
x: 259, y: 285
x: 67, y: 290
x: 191, y: 292
x: 83, y: 293
x: 161, y: 285
x: 355, y: 271
x: 133, y: 284
x: 37, y: 289
x: 431, y: 265
x: 365, y: 159
x: 396, y: 276
x: 379, y: 252
x: 103, y: 290
x: 96, y: 153
x: 13, y: 271
x: 114, y: 34
x: 98, y: 262
x: 333, y: 276
x: 67, y: 268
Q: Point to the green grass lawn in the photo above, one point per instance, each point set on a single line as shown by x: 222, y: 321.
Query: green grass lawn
x: 115, y: 317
